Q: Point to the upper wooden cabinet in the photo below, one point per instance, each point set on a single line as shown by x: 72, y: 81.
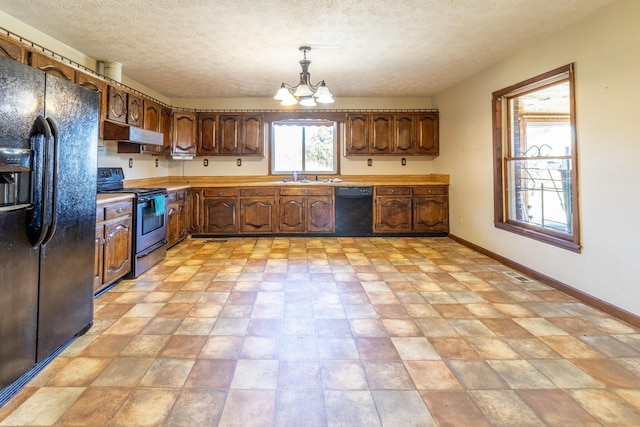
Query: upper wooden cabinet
x: 52, y: 66
x: 229, y: 135
x: 252, y: 134
x: 125, y: 107
x: 357, y: 127
x: 135, y: 110
x: 117, y: 104
x: 428, y: 140
x: 152, y: 115
x: 185, y: 127
x: 241, y: 134
x: 404, y: 126
x: 11, y: 49
x: 95, y: 83
x: 403, y: 134
x: 207, y: 134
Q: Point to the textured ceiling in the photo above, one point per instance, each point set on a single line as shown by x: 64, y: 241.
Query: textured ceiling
x: 246, y: 48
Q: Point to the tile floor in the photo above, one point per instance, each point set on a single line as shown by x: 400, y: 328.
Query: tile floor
x: 337, y: 332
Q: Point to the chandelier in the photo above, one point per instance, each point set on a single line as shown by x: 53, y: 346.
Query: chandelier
x: 305, y: 93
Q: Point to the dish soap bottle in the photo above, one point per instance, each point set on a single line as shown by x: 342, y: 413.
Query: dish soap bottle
x: 295, y: 176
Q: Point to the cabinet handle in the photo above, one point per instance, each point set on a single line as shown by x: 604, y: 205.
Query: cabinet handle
x: 393, y: 190
x: 306, y: 191
x: 220, y: 193
x: 256, y: 192
x: 119, y: 210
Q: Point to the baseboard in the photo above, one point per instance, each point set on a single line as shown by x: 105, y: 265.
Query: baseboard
x: 591, y: 301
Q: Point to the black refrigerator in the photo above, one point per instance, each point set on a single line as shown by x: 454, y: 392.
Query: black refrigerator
x: 48, y: 145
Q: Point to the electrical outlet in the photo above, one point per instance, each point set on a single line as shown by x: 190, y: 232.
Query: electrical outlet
x: 404, y: 162
x: 460, y: 220
x: 130, y: 162
x: 156, y: 162
x: 369, y: 162
x: 239, y: 162
x: 205, y: 162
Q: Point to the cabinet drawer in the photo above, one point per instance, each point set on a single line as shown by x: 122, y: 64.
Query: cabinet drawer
x: 99, y: 214
x: 118, y: 209
x: 174, y: 196
x: 392, y: 191
x: 305, y: 191
x: 430, y: 190
x: 220, y: 192
x: 257, y: 191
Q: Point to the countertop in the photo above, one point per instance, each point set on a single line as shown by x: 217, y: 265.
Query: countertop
x: 103, y: 198
x: 181, y: 183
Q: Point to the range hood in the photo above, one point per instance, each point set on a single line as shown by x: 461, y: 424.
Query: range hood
x: 125, y: 133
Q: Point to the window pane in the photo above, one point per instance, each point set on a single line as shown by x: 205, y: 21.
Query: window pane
x: 319, y: 149
x: 540, y: 193
x: 287, y: 148
x: 540, y: 124
x: 305, y: 148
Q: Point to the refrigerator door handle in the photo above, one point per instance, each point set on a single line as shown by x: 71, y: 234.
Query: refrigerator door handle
x: 40, y: 216
x: 55, y: 142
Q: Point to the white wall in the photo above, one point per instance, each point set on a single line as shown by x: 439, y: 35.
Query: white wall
x: 604, y: 48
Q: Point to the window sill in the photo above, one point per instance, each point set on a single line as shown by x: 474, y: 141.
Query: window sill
x: 542, y: 237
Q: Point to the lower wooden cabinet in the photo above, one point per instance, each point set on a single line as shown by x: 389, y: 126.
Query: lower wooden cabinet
x: 220, y: 211
x: 392, y: 209
x: 300, y: 209
x: 431, y: 209
x: 113, y: 243
x: 306, y: 210
x: 257, y: 210
x: 177, y: 217
x: 406, y: 209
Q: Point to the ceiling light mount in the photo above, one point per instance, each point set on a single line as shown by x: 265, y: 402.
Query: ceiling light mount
x: 304, y: 93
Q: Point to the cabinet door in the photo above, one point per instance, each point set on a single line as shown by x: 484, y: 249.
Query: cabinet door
x: 166, y: 127
x: 392, y: 214
x: 220, y: 215
x: 256, y: 215
x: 252, y: 131
x: 427, y: 140
x: 51, y: 66
x: 292, y: 214
x: 117, y: 249
x: 431, y: 214
x: 405, y: 134
x: 152, y: 115
x: 117, y: 105
x: 357, y: 129
x: 98, y: 264
x: 96, y: 84
x: 173, y: 224
x: 321, y: 215
x: 11, y: 49
x: 183, y: 216
x: 381, y: 134
x: 229, y: 134
x: 207, y: 143
x: 135, y: 110
x: 184, y: 133
x: 195, y: 209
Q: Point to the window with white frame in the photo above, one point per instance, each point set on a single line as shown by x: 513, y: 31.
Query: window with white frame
x: 535, y: 177
x: 308, y: 147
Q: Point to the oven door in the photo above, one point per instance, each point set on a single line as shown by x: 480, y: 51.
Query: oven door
x: 151, y: 221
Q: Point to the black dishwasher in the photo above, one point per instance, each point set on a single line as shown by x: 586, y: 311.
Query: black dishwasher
x: 354, y: 211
